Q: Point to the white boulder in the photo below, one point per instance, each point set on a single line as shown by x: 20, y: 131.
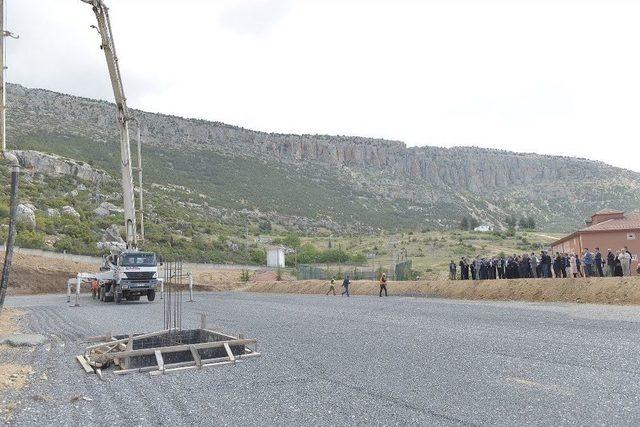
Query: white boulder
x: 69, y: 210
x: 53, y: 213
x: 106, y: 209
x: 26, y: 215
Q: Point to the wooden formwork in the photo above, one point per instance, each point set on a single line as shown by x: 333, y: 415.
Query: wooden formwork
x: 166, y: 351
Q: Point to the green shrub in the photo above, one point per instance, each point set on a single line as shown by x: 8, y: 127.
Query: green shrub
x: 258, y: 256
x: 245, y: 276
x: 265, y: 227
x: 291, y: 240
x: 29, y: 239
x: 4, y: 211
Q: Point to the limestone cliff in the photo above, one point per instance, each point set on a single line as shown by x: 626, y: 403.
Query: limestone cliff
x: 440, y: 183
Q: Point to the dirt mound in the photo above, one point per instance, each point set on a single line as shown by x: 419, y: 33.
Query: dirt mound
x: 229, y: 280
x: 216, y: 279
x: 37, y: 275
x: 610, y: 290
x: 265, y: 276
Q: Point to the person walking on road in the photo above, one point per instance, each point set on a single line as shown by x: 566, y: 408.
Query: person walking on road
x: 332, y: 287
x: 383, y: 284
x: 345, y: 285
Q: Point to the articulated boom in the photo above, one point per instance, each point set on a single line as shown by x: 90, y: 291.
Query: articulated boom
x: 127, y: 274
x: 104, y: 28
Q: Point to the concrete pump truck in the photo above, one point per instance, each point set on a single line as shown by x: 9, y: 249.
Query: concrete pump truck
x: 127, y: 273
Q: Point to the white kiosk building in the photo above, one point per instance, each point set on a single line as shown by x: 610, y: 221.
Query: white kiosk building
x: 275, y: 257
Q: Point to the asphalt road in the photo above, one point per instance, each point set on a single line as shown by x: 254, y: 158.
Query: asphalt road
x: 358, y: 360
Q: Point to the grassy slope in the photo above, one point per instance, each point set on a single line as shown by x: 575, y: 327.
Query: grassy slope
x: 432, y: 251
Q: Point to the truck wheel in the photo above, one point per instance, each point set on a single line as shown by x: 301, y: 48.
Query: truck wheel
x: 151, y: 295
x: 117, y: 297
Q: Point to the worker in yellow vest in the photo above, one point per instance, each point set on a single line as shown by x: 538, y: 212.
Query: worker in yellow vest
x: 332, y: 287
x: 383, y: 284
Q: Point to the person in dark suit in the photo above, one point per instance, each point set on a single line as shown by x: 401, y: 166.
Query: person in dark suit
x: 345, y: 285
x: 597, y: 262
x: 611, y: 262
x: 501, y: 268
x: 565, y: 264
x: 544, y: 264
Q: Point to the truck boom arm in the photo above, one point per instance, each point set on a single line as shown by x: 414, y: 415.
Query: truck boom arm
x: 104, y: 28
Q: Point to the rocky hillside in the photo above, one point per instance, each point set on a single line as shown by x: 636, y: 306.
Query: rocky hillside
x: 333, y: 183
x: 66, y: 205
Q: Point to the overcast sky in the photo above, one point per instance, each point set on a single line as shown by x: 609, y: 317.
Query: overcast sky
x: 547, y: 76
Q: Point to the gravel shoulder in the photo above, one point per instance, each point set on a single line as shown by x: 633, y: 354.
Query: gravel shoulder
x: 359, y: 360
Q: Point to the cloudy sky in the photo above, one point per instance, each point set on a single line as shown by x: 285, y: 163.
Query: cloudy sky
x: 546, y: 76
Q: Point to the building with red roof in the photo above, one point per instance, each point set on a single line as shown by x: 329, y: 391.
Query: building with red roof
x: 607, y: 229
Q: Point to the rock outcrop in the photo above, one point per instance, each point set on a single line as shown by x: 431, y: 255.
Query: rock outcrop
x: 53, y: 213
x: 70, y: 211
x: 26, y: 215
x: 469, y: 168
x: 111, y: 239
x: 106, y: 209
x: 51, y: 164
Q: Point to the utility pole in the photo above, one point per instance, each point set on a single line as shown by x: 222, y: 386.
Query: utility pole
x: 3, y: 91
x: 11, y: 159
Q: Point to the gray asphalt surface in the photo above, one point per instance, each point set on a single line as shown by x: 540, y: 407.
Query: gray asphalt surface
x: 358, y: 360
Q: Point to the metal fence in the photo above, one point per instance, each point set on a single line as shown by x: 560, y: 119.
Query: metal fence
x: 402, y: 271
x: 320, y: 272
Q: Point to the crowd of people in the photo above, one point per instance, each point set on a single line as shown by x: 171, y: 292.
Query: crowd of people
x: 544, y: 265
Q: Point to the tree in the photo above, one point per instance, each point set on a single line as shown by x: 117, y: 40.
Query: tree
x: 265, y: 226
x: 291, y: 240
x: 532, y: 223
x: 511, y: 221
x: 528, y: 223
x: 473, y: 223
x: 464, y: 223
